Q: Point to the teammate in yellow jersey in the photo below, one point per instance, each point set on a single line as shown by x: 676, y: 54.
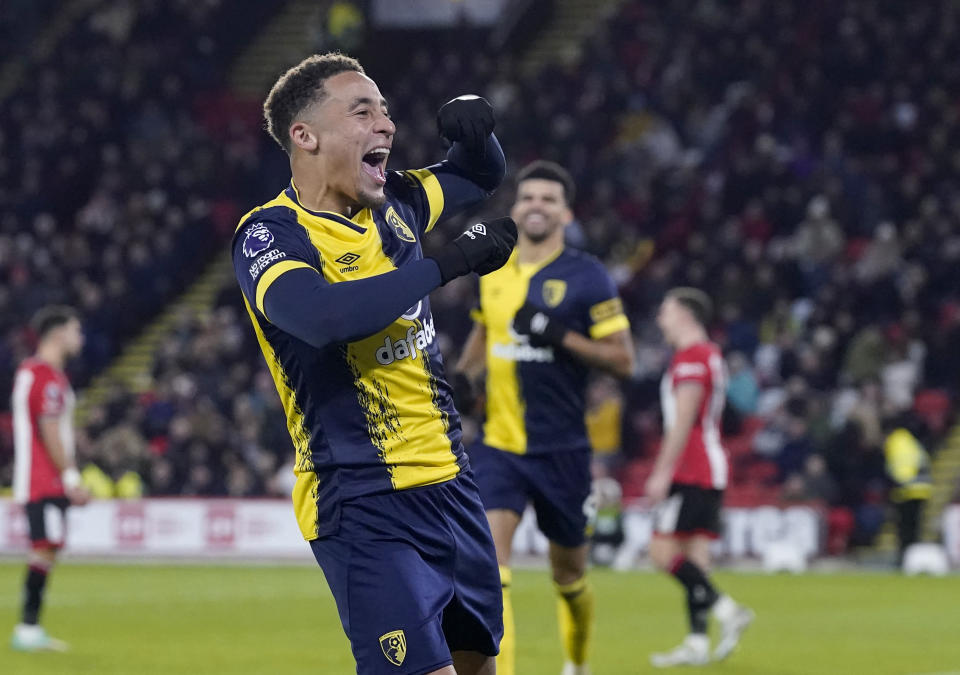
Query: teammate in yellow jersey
x: 545, y: 318
x: 336, y: 285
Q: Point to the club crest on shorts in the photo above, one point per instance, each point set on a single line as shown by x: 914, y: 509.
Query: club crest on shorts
x: 394, y: 646
x: 553, y: 291
x: 401, y: 228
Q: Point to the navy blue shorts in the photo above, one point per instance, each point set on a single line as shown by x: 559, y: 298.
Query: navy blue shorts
x: 557, y: 484
x: 414, y: 574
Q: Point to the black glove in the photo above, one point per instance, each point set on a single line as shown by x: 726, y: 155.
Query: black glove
x: 464, y: 395
x: 482, y: 248
x: 543, y: 329
x: 468, y: 120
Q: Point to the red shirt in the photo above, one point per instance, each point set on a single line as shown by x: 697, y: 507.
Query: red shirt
x: 703, y: 461
x: 39, y: 390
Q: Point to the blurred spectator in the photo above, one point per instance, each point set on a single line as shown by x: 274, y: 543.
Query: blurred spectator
x: 908, y: 467
x: 743, y: 391
x: 813, y: 484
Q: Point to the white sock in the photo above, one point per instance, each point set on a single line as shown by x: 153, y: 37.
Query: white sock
x: 724, y: 608
x: 698, y: 641
x: 27, y: 631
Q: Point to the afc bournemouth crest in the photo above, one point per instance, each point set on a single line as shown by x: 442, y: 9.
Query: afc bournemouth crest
x: 553, y: 291
x: 401, y: 228
x: 394, y: 646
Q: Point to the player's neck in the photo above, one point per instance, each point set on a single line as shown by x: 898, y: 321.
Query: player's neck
x: 52, y: 354
x: 690, y: 338
x: 531, y: 252
x: 316, y: 195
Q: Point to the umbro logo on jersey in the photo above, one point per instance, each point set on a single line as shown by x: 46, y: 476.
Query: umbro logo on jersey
x: 347, y: 260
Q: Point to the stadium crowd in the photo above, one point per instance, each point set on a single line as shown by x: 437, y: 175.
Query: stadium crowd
x: 112, y: 190
x: 797, y: 164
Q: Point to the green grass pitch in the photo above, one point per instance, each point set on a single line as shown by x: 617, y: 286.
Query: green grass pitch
x: 208, y: 620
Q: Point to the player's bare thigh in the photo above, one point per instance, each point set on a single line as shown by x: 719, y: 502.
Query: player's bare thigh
x: 503, y: 525
x: 663, y: 549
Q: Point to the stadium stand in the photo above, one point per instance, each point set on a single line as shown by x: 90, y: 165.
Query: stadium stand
x: 116, y: 206
x: 793, y: 162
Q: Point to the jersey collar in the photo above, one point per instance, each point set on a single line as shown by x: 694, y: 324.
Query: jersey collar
x: 534, y: 268
x: 294, y: 195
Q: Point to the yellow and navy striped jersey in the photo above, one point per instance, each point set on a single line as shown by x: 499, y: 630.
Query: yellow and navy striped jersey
x: 372, y: 415
x: 535, y: 395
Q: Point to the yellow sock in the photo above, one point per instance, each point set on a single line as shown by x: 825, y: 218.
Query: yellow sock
x: 506, y: 661
x: 575, y: 613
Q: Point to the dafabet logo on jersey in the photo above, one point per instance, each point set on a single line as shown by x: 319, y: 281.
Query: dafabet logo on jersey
x: 394, y: 646
x: 408, y: 347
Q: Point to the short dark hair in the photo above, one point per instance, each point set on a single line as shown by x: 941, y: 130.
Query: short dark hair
x: 300, y: 87
x: 695, y: 300
x: 53, y: 316
x: 547, y: 170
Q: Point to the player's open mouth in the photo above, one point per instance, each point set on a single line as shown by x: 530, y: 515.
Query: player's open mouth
x: 375, y: 163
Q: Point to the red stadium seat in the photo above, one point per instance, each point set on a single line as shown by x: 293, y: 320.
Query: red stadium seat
x: 933, y: 406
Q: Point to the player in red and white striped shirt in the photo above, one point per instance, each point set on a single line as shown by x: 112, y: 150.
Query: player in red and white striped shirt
x: 690, y: 474
x: 45, y: 477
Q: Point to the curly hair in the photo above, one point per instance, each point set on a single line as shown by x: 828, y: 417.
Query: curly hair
x: 299, y: 87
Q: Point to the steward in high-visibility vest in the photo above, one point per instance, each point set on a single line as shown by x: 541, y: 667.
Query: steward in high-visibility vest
x: 908, y: 466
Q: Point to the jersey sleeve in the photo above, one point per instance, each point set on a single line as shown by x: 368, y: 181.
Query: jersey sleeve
x: 449, y: 187
x: 604, y: 307
x: 691, y: 368
x: 267, y: 245
x: 48, y: 395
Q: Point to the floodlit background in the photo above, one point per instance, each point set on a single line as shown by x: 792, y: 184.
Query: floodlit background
x: 798, y: 160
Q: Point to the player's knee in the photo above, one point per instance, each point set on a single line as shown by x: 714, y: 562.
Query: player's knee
x: 45, y: 556
x: 662, y: 552
x: 568, y: 569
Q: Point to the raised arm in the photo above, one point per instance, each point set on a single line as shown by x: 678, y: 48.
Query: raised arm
x: 475, y: 165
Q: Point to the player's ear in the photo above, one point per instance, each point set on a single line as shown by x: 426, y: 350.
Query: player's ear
x: 567, y: 215
x: 303, y: 137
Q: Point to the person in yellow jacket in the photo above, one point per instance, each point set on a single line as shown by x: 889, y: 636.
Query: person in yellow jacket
x: 908, y: 466
x: 101, y: 486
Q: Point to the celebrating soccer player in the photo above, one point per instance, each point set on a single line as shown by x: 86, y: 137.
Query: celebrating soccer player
x: 336, y: 284
x: 689, y: 476
x: 45, y: 476
x: 544, y: 319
